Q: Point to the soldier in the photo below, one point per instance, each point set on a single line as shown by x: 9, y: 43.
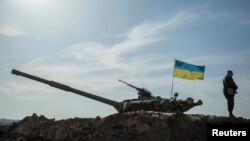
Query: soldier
x: 229, y: 91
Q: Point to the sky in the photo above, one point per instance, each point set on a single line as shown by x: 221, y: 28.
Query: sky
x: 91, y: 44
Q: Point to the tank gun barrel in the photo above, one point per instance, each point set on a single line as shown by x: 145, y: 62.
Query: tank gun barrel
x: 67, y: 88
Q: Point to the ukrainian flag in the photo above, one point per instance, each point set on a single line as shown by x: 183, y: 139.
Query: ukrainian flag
x: 188, y: 71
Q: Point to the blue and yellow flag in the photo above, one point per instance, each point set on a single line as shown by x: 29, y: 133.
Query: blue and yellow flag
x: 188, y: 71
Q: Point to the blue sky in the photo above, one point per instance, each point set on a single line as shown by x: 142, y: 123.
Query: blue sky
x: 90, y: 44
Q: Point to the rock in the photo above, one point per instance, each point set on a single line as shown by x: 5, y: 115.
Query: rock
x: 136, y: 126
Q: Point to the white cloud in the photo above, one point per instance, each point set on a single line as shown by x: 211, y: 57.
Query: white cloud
x: 244, y: 22
x: 33, y: 4
x: 85, y: 51
x: 145, y: 30
x: 96, y: 67
x: 33, y: 98
x: 145, y: 34
x: 21, y: 87
x: 110, y: 57
x: 222, y: 58
x: 97, y: 58
x: 10, y: 31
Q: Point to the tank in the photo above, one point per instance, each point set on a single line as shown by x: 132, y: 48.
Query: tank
x: 145, y: 101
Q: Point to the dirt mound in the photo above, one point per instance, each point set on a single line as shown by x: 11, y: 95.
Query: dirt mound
x: 144, y: 126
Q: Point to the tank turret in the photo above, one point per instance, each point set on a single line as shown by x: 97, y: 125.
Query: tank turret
x: 145, y: 100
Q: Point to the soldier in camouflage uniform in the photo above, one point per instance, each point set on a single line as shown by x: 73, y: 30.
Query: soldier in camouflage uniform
x: 229, y: 91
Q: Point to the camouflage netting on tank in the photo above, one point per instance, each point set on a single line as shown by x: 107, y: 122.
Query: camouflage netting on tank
x: 143, y: 126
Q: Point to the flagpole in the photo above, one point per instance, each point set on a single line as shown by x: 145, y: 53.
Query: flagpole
x: 172, y: 86
x: 172, y: 82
